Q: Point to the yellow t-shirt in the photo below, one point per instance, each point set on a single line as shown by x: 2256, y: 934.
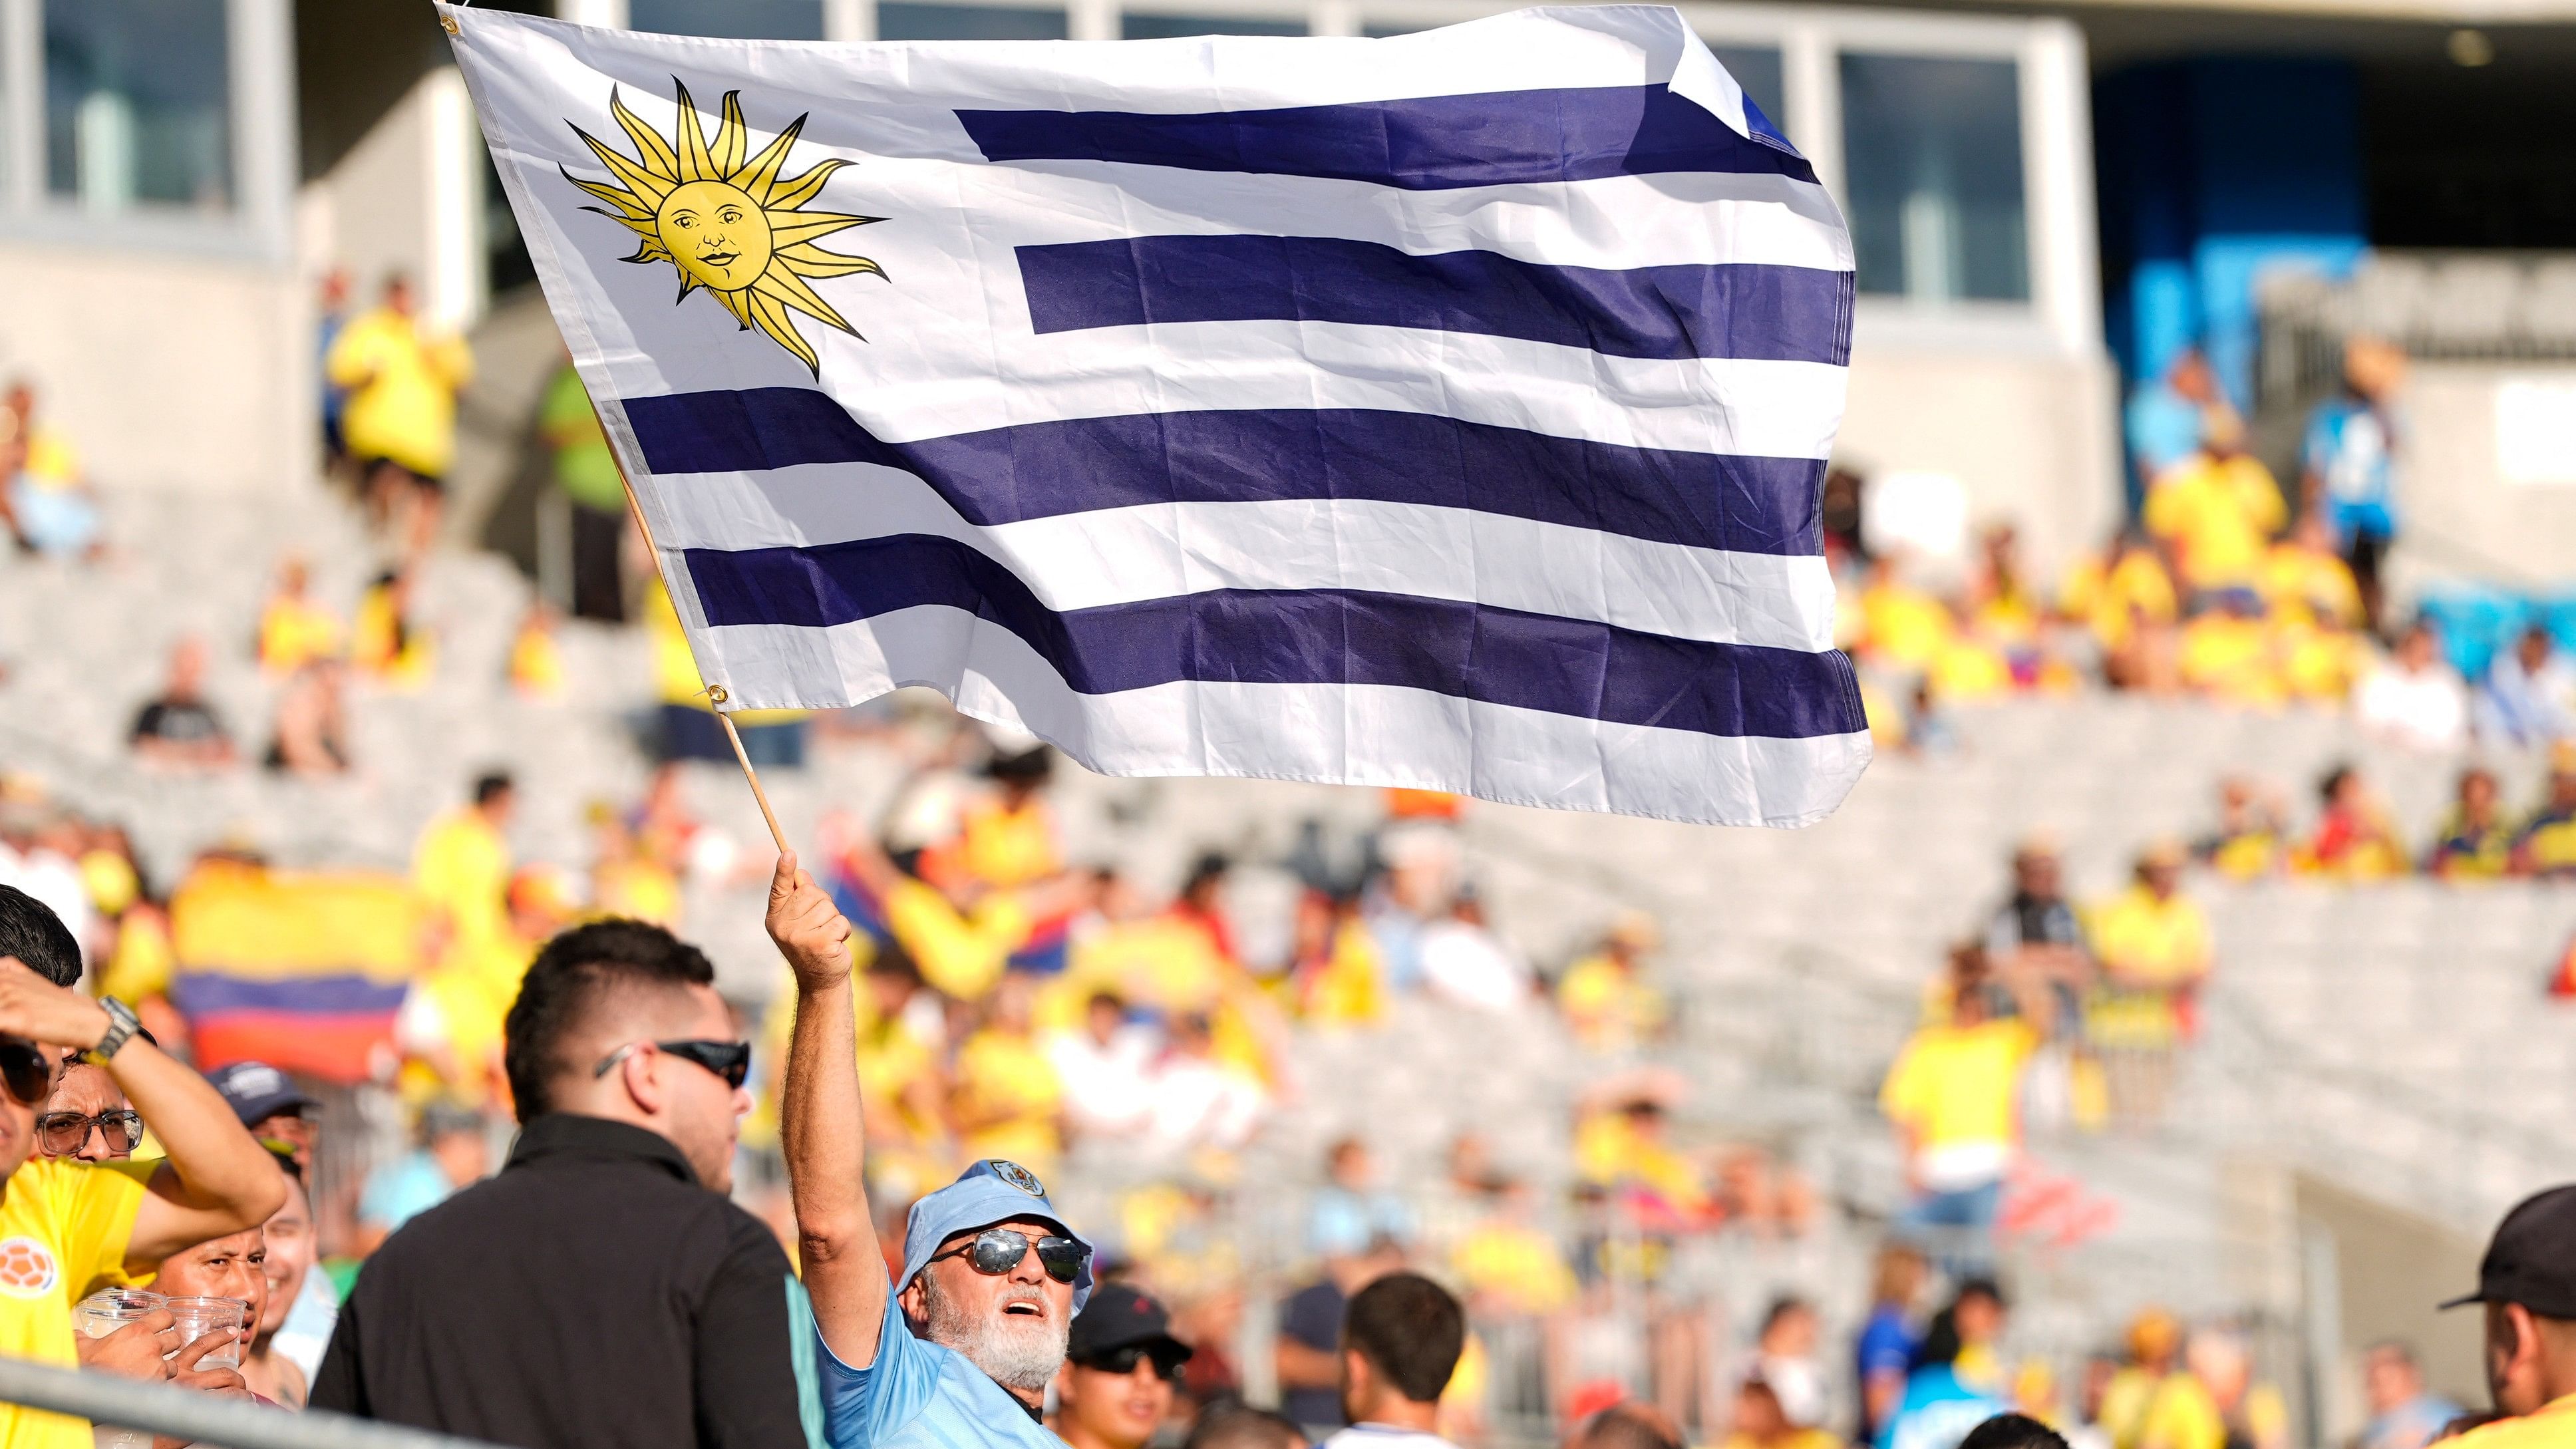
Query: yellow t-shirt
x: 63, y: 1231
x: 2299, y: 581
x: 402, y: 400
x: 398, y: 652
x: 2110, y: 598
x: 1956, y: 1086
x: 2233, y: 659
x: 2166, y: 942
x: 2551, y: 1426
x: 2219, y: 515
x: 2183, y: 1416
x: 536, y: 663
x: 1904, y: 626
x: 1517, y: 1266
x: 294, y: 633
x: 462, y: 869
x: 1005, y: 847
x: 1007, y: 1085
x: 1606, y: 1004
x: 2125, y: 1401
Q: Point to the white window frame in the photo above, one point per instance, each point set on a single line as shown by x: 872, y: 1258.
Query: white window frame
x: 259, y: 39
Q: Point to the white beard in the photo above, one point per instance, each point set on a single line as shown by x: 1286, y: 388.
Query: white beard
x: 1015, y: 1351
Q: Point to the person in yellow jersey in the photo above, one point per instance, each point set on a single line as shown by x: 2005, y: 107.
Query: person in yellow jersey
x: 2546, y: 845
x: 1007, y: 1100
x: 1953, y: 1096
x: 68, y: 1228
x: 2155, y: 1346
x: 2152, y: 937
x: 2218, y: 512
x: 400, y: 420
x: 385, y: 642
x: 1605, y: 996
x: 2527, y: 1287
x: 2214, y: 1403
x: 1509, y: 1266
x: 461, y: 871
x: 293, y: 630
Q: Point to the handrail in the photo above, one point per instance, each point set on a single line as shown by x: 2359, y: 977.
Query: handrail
x: 203, y: 1418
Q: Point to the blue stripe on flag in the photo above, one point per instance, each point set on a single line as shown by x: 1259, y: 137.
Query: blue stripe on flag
x: 1042, y: 470
x: 1301, y: 636
x: 1771, y: 313
x: 1427, y: 143
x: 203, y: 992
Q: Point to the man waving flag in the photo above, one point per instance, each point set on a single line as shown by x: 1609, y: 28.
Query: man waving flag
x: 1446, y: 410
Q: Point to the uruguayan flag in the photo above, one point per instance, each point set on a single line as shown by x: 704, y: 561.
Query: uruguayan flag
x: 1446, y: 410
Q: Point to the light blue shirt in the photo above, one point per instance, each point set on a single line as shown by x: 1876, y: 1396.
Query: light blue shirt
x: 2163, y: 427
x: 2352, y: 449
x: 307, y: 1329
x: 1937, y: 1412
x: 403, y: 1189
x: 920, y: 1396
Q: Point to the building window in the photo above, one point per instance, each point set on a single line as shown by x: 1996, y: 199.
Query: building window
x: 1757, y: 69
x: 138, y: 104
x: 1132, y: 26
x: 1932, y: 163
x: 731, y: 19
x: 911, y: 20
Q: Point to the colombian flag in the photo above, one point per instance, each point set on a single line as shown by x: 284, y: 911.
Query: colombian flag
x: 304, y: 970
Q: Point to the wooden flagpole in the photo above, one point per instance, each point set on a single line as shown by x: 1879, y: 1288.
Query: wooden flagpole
x: 715, y: 692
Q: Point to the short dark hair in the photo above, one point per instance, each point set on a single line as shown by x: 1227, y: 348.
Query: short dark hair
x: 2013, y: 1431
x: 1409, y: 1329
x: 1627, y: 1426
x: 566, y: 981
x: 1241, y: 1426
x: 30, y: 931
x: 492, y: 784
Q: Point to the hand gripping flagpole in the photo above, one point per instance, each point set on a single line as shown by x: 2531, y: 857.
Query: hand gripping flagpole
x: 715, y: 692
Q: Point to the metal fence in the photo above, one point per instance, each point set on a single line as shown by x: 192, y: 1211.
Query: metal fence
x: 202, y: 1418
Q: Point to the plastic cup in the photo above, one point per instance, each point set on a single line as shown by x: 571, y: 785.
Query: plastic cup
x: 110, y: 1309
x: 198, y: 1317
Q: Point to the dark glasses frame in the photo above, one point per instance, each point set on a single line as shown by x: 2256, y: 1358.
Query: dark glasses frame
x: 730, y: 1060
x: 1123, y: 1359
x: 26, y: 1070
x: 61, y: 1134
x: 996, y: 1251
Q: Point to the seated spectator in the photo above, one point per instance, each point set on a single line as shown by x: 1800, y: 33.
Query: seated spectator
x: 178, y: 727
x: 2529, y: 697
x: 536, y: 656
x: 2247, y: 843
x: 2152, y: 936
x: 454, y: 1153
x: 1785, y: 1362
x: 2229, y: 653
x: 1106, y: 1067
x: 2403, y: 1413
x: 2126, y: 598
x: 233, y: 1266
x: 384, y: 642
x: 1005, y: 1099
x: 312, y: 736
x: 2353, y: 839
x: 1465, y: 963
x: 2304, y: 578
x: 2217, y: 512
x: 1508, y: 1265
x: 2475, y: 843
x: 2035, y: 937
x: 293, y: 630
x: 1605, y: 996
x: 2547, y: 844
x: 44, y: 499
x: 2215, y: 1403
x: 2415, y: 697
x: 289, y: 1239
x: 1201, y: 1100
x: 1903, y: 627
x: 1350, y: 1209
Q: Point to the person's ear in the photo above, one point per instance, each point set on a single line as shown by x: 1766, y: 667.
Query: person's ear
x: 642, y: 1074
x: 914, y: 1296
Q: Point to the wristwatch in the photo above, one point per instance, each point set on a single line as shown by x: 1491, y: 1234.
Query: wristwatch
x: 121, y: 1027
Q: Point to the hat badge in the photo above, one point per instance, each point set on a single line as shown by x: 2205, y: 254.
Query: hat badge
x: 1019, y: 1177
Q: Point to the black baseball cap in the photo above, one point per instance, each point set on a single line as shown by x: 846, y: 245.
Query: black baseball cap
x: 1121, y: 1317
x: 2532, y: 1258
x: 257, y: 1091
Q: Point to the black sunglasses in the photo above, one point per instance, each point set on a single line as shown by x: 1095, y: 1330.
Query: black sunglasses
x: 730, y: 1060
x: 1168, y: 1359
x: 996, y: 1251
x: 62, y: 1133
x: 26, y: 1070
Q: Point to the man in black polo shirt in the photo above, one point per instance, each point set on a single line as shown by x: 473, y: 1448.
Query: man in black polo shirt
x: 602, y: 1290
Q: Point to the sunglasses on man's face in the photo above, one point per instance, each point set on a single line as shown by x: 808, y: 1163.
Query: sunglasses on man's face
x: 1123, y: 1361
x: 996, y: 1251
x: 63, y: 1133
x: 730, y: 1060
x: 27, y: 1070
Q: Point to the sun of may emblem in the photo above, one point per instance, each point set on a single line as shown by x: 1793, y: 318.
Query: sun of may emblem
x: 728, y: 224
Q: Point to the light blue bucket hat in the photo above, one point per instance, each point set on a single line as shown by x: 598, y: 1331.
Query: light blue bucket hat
x: 990, y: 1192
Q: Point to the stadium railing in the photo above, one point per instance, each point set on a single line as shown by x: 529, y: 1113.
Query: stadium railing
x: 202, y: 1418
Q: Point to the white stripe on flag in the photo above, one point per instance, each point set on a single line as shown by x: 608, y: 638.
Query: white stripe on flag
x: 1338, y: 733
x: 1127, y: 555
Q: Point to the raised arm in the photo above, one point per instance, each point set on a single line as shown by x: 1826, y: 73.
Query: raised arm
x: 218, y: 1179
x: 820, y: 1124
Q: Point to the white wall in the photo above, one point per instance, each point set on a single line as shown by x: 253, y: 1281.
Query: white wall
x: 2458, y: 513
x: 407, y: 197
x: 166, y: 371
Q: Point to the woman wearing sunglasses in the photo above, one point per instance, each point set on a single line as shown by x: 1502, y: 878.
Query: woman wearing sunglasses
x: 992, y: 1276
x: 67, y: 1228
